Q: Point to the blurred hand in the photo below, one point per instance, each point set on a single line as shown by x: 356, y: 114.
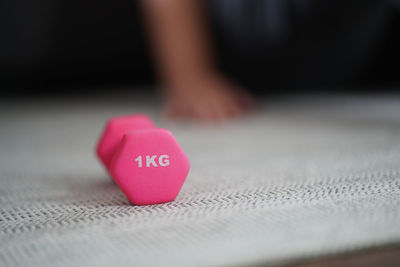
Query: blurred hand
x: 211, y: 98
x: 184, y: 55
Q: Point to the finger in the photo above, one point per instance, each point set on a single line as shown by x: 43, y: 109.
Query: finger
x: 176, y: 110
x: 171, y: 111
x: 222, y: 110
x: 201, y: 112
x: 245, y: 99
x: 233, y: 108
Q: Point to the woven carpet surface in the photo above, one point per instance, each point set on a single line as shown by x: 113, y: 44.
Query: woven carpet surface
x: 302, y: 178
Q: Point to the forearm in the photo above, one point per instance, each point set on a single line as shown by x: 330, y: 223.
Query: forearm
x: 179, y: 37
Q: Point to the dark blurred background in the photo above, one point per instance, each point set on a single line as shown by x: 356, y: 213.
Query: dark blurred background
x: 61, y: 44
x: 50, y: 46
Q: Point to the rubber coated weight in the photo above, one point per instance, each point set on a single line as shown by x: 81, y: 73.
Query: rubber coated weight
x: 113, y: 132
x: 149, y: 166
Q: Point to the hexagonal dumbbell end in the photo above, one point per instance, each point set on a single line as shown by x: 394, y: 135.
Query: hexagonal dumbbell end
x: 113, y: 132
x: 149, y: 166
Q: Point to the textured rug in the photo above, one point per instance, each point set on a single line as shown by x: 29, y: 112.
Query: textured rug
x: 303, y: 178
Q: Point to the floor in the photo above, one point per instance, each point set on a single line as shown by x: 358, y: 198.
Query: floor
x: 306, y: 181
x: 366, y: 258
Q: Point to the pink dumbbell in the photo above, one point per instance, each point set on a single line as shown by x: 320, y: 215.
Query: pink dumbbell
x: 148, y: 164
x: 113, y: 132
